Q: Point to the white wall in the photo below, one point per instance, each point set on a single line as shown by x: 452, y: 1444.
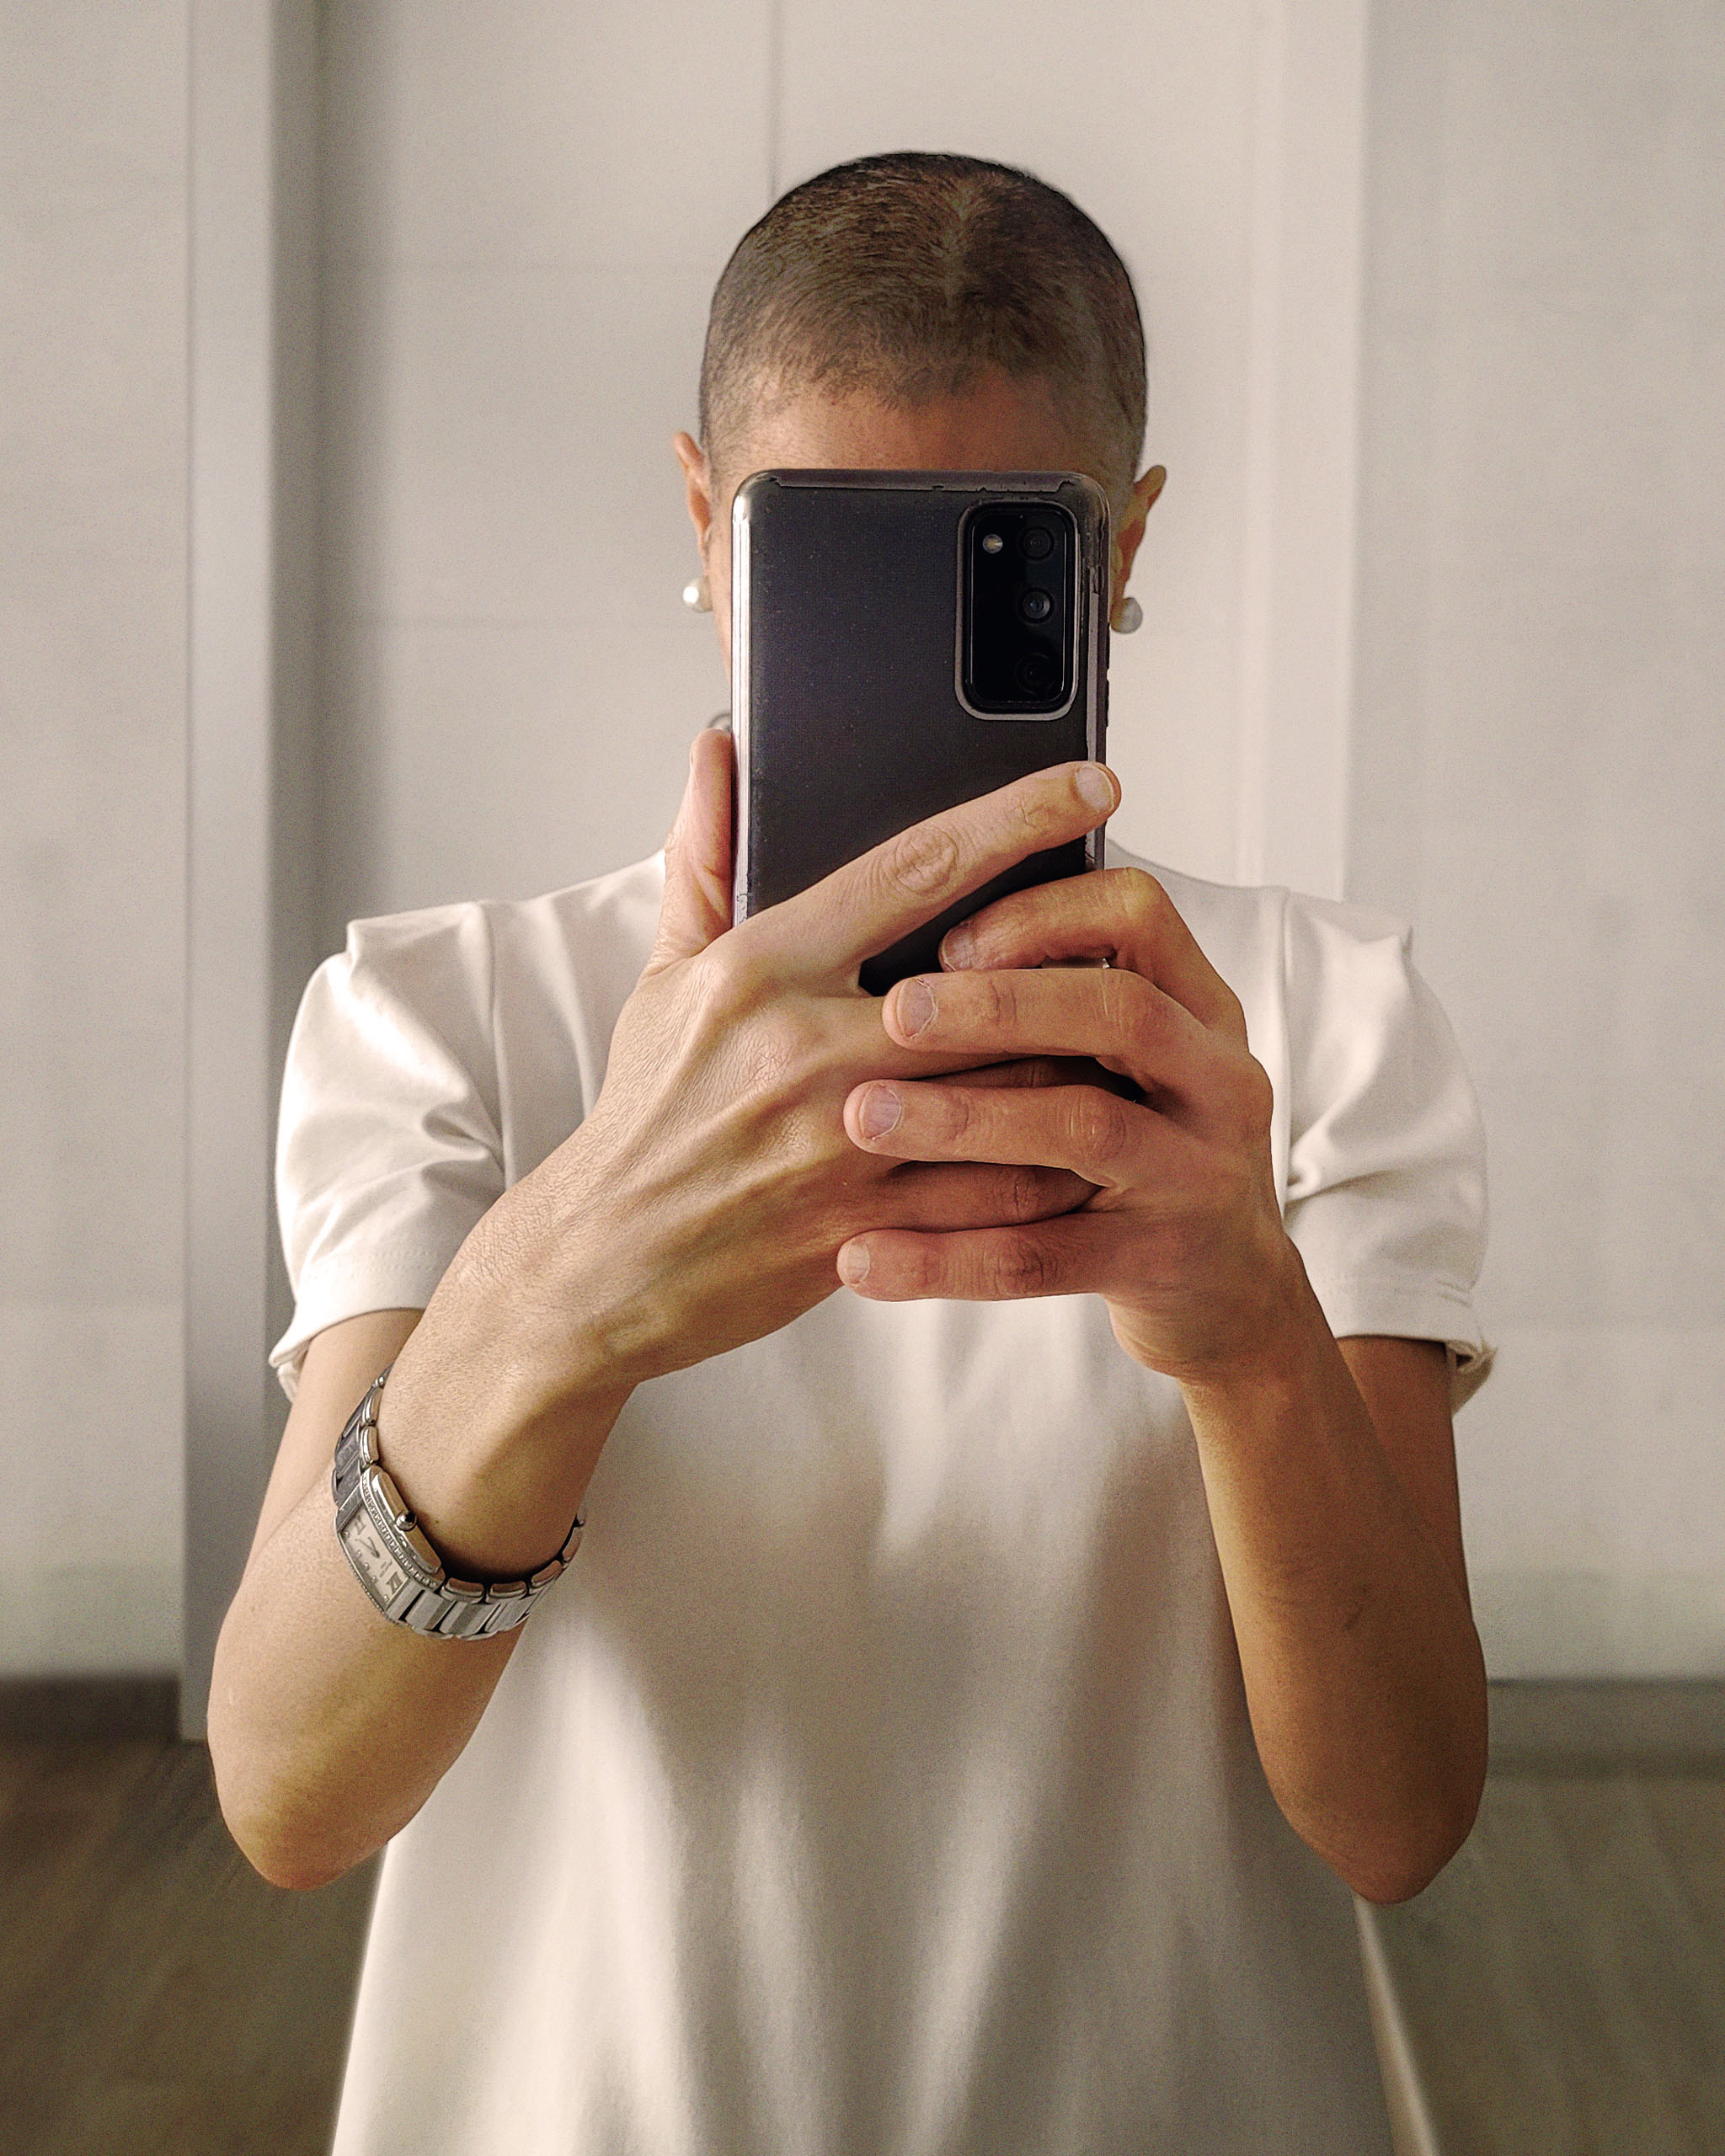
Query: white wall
x: 1539, y: 767
x: 92, y: 519
x: 526, y: 209
x: 524, y: 215
x: 521, y: 234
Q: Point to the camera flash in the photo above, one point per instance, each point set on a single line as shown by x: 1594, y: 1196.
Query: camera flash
x: 992, y: 543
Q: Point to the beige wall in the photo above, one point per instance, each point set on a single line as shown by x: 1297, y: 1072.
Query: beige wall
x: 521, y: 230
x: 1539, y: 764
x: 92, y: 629
x: 526, y: 209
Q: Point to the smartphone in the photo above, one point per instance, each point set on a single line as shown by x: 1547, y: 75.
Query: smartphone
x: 902, y: 642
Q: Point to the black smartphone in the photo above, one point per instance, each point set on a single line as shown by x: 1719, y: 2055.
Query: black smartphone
x: 902, y: 642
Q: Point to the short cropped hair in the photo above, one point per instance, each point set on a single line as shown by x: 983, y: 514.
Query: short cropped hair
x: 906, y: 276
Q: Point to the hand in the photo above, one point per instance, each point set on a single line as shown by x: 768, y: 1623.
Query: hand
x: 1183, y: 1236
x: 703, y: 1202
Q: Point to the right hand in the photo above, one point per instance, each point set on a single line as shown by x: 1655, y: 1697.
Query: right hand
x: 702, y: 1201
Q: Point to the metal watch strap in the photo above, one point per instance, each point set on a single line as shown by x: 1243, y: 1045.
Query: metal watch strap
x: 393, y: 1559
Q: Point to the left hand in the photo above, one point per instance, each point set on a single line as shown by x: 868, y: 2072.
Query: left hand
x: 1183, y: 1237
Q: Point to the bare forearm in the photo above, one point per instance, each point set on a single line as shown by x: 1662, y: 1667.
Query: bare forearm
x: 329, y: 1726
x: 1363, y: 1670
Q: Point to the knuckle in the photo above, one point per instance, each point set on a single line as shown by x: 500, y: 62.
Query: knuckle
x: 733, y: 980
x: 1234, y: 1012
x: 1129, y: 1006
x: 922, y: 860
x: 1020, y: 1195
x: 965, y: 1118
x: 779, y: 1044
x: 1144, y: 898
x: 1027, y: 1266
x: 1101, y: 1129
x: 998, y: 998
x: 1258, y: 1094
x: 1036, y: 811
x: 1036, y: 1072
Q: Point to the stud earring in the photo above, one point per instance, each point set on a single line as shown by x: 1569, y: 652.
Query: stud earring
x: 1128, y: 616
x: 698, y: 596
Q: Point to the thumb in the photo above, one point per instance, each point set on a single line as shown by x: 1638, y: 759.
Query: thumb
x: 697, y: 857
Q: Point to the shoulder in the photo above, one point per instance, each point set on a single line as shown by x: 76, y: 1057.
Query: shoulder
x: 436, y: 1057
x: 452, y: 968
x: 506, y: 1005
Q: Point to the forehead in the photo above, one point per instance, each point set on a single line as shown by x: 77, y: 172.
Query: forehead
x: 1001, y: 424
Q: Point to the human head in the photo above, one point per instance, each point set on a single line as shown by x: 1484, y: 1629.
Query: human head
x: 924, y: 310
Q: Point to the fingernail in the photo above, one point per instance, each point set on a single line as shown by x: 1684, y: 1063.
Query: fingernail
x: 879, y: 1112
x: 853, y: 1263
x: 959, y: 945
x: 915, y: 1007
x: 1095, y: 786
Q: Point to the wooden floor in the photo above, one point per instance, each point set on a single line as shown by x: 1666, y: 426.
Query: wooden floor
x: 157, y: 1998
x: 1562, y: 1984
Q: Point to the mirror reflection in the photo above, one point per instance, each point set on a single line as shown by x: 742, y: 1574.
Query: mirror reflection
x: 920, y: 813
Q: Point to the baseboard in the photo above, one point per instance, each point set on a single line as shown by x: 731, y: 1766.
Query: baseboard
x: 1546, y: 1725
x: 1536, y: 1723
x: 39, y: 1709
x: 1576, y: 1626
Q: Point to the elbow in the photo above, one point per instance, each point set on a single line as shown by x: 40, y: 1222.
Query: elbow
x: 283, y: 1868
x: 265, y: 1824
x: 295, y: 1880
x: 277, y: 1855
x: 267, y: 1842
x: 1404, y: 1847
x: 1384, y: 1885
x: 1401, y: 1865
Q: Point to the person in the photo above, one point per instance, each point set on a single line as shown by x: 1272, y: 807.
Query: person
x: 1021, y: 1586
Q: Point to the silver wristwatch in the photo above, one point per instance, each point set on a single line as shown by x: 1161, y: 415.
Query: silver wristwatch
x: 393, y: 1559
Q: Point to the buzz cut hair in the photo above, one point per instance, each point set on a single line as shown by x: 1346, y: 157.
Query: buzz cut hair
x: 907, y: 275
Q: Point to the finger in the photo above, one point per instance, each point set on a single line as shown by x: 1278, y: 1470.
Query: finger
x: 1122, y: 1019
x: 1028, y: 1070
x: 697, y: 905
x: 867, y: 905
x: 1122, y: 915
x: 1112, y: 1144
x: 940, y: 1197
x: 1066, y: 1256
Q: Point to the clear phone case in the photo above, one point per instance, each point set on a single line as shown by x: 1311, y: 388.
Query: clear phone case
x: 860, y: 655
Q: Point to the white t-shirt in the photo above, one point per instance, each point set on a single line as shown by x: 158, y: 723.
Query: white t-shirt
x: 880, y: 1778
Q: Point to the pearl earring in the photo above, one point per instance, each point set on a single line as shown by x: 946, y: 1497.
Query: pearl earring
x: 698, y: 596
x: 1130, y: 616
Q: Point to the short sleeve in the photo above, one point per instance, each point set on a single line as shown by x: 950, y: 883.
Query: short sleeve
x: 389, y: 1149
x: 1386, y: 1184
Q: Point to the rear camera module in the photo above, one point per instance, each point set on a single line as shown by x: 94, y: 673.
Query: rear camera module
x: 1019, y: 633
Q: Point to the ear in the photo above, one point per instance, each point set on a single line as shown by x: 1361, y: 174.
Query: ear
x: 697, y: 484
x: 1129, y: 533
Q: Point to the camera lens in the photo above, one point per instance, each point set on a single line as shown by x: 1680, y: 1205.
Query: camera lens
x: 1036, y: 605
x: 1039, y: 542
x: 1038, y: 674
